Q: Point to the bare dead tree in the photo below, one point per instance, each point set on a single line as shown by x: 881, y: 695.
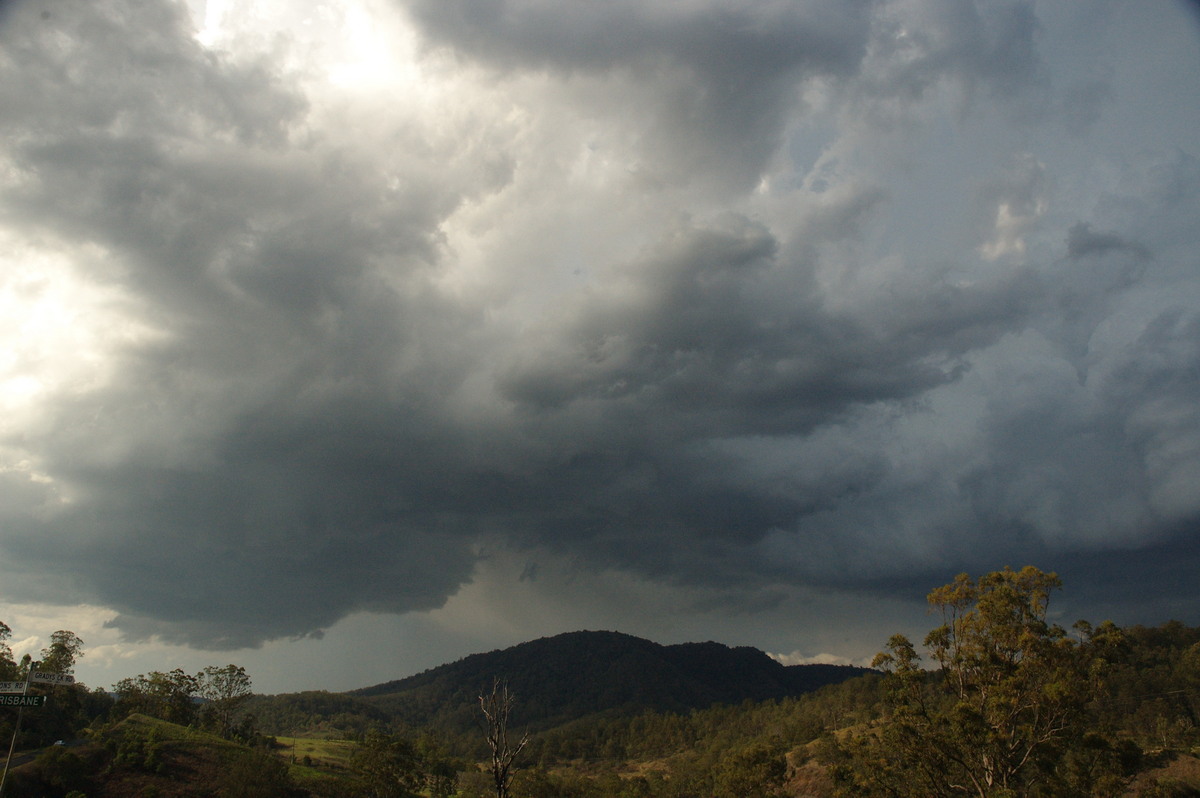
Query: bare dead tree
x: 496, y: 707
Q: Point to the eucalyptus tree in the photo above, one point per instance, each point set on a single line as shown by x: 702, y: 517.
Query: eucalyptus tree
x: 8, y: 667
x: 225, y: 690
x: 59, y: 657
x: 1004, y: 713
x: 167, y: 696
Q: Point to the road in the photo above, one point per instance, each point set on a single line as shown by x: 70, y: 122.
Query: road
x: 24, y: 757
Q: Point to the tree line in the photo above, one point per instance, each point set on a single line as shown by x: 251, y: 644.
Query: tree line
x: 1016, y: 705
x: 1004, y: 703
x: 211, y: 699
x: 997, y: 702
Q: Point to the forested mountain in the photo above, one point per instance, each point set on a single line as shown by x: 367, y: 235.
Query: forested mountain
x: 574, y: 675
x: 1102, y: 712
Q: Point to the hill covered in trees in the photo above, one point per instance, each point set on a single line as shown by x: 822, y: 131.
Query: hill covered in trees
x: 996, y: 702
x: 571, y: 676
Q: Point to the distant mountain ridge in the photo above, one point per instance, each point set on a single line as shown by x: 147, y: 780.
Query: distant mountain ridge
x: 573, y: 675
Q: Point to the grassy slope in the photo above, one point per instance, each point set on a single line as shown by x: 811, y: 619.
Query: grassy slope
x: 137, y: 756
x: 327, y: 765
x: 329, y: 754
x: 143, y: 756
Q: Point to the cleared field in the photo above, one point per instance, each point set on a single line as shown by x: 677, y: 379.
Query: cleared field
x: 324, y: 754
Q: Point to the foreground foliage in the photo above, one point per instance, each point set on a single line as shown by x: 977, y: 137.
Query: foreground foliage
x: 145, y: 756
x: 1011, y: 705
x: 1004, y: 715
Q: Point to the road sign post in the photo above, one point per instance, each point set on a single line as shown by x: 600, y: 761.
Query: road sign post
x: 45, y: 677
x: 16, y: 694
x: 16, y: 727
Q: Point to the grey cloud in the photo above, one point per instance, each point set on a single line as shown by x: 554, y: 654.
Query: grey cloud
x: 250, y: 471
x: 1193, y: 7
x: 1084, y: 242
x: 329, y: 416
x: 1029, y: 487
x: 1084, y: 102
x: 712, y: 83
x: 721, y: 76
x: 1154, y: 390
x: 1154, y: 580
x: 716, y: 325
x: 1098, y: 268
x: 720, y: 334
x: 280, y: 533
x: 986, y: 50
x: 126, y: 71
x: 754, y: 40
x: 1104, y: 482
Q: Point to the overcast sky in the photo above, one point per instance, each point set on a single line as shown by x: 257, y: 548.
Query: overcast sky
x: 343, y: 339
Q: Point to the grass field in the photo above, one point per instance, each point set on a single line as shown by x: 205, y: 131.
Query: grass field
x: 315, y: 763
x: 328, y: 754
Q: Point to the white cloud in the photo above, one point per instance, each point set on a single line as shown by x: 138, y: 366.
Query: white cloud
x: 824, y: 658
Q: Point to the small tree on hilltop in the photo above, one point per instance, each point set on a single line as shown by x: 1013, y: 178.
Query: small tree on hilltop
x: 496, y: 708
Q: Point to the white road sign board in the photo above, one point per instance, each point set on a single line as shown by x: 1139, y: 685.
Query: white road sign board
x: 12, y: 687
x: 51, y: 678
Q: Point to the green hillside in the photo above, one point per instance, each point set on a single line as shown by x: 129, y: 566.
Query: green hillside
x: 143, y: 756
x: 998, y: 702
x: 571, y: 676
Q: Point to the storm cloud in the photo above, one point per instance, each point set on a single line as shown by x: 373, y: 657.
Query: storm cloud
x: 307, y: 312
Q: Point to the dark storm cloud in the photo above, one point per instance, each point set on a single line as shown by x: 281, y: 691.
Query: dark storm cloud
x: 729, y: 337
x: 752, y: 38
x: 726, y: 337
x: 1083, y: 242
x: 355, y: 370
x: 723, y: 75
x: 274, y: 446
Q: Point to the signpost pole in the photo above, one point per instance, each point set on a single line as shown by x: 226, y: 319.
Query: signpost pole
x: 17, y: 728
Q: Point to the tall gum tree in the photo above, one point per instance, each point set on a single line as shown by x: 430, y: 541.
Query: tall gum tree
x: 1003, y: 712
x: 59, y: 657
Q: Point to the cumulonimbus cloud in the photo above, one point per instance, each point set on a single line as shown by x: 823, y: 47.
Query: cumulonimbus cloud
x: 694, y: 291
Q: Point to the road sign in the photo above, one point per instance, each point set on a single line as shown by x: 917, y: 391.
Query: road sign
x: 51, y: 678
x: 22, y: 700
x: 12, y: 687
